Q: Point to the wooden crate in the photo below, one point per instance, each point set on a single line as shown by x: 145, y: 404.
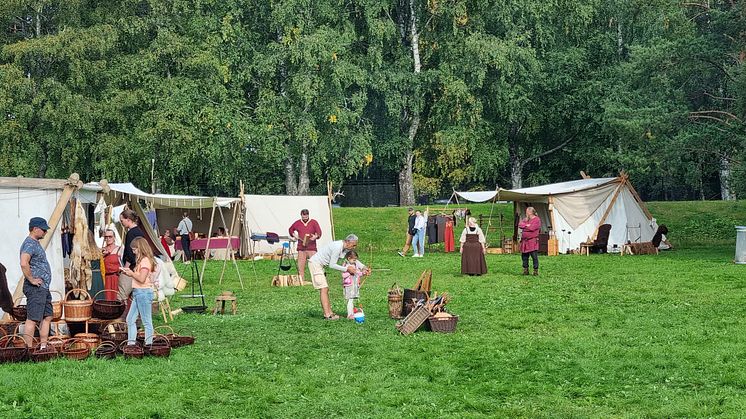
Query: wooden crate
x: 552, y: 247
x: 495, y: 250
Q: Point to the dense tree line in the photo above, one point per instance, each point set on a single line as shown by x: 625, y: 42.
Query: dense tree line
x: 434, y: 94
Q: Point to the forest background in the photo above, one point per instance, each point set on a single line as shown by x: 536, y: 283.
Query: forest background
x: 195, y: 95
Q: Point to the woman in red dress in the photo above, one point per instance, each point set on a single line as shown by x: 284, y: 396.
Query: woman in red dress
x: 531, y: 226
x: 111, y: 265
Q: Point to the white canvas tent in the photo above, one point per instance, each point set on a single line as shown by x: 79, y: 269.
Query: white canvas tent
x: 276, y: 213
x: 20, y: 200
x: 574, y: 210
x: 127, y: 192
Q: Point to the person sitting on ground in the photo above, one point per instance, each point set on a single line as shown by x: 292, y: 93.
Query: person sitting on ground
x: 351, y: 281
x: 659, y: 238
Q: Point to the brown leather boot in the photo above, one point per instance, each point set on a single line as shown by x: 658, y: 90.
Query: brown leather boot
x: 525, y: 271
x: 536, y: 272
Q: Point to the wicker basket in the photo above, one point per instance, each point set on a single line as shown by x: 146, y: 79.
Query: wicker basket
x: 61, y: 329
x: 396, y: 302
x: 443, y: 324
x: 9, y: 352
x: 108, y: 309
x: 160, y: 347
x: 170, y: 335
x: 91, y: 340
x: 131, y: 351
x: 115, y: 331
x: 47, y: 354
x: 413, y: 321
x: 57, y: 342
x: 76, y: 349
x: 19, y: 310
x: 57, y: 306
x: 411, y: 297
x: 78, y: 310
x: 184, y: 340
x: 9, y: 326
x: 106, y: 350
x: 19, y: 342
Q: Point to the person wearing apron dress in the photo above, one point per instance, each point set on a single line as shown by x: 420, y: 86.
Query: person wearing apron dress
x: 473, y: 248
x: 111, y: 265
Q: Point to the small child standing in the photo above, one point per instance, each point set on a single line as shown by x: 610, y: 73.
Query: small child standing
x: 351, y: 282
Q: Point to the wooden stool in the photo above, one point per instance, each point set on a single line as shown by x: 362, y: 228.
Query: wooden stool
x: 220, y: 303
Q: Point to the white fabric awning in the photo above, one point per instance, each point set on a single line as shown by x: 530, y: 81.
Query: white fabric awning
x: 161, y: 201
x: 479, y: 196
x: 538, y: 192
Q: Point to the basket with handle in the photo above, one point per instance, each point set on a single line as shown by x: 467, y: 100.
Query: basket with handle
x: 78, y: 310
x: 413, y: 321
x: 76, y: 349
x: 115, y: 331
x: 56, y: 342
x: 57, y: 306
x: 9, y: 326
x: 106, y: 350
x: 183, y: 340
x: 46, y: 354
x: 19, y: 343
x: 91, y: 340
x: 131, y: 351
x: 170, y: 335
x: 160, y: 347
x: 19, y: 310
x: 9, y: 352
x: 108, y: 309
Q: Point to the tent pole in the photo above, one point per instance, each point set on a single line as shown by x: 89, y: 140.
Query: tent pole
x: 329, y: 199
x: 247, y: 232
x: 608, y: 209
x: 207, y: 248
x: 73, y: 183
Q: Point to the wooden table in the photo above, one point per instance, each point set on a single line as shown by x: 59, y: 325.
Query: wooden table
x: 586, y: 247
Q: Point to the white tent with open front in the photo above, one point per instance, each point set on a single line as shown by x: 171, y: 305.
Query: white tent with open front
x: 276, y: 213
x: 575, y: 210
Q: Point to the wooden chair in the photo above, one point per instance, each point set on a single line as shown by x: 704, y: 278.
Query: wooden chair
x: 601, y: 244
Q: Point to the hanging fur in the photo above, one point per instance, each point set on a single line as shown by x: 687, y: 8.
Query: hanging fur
x: 84, y: 250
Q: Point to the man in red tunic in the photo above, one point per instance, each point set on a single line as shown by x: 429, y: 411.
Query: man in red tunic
x: 531, y: 226
x: 305, y: 231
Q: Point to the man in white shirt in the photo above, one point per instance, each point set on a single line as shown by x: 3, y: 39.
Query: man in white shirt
x: 418, y: 241
x: 184, y: 228
x: 330, y: 255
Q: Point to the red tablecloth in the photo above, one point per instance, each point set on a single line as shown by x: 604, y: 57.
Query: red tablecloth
x: 215, y: 243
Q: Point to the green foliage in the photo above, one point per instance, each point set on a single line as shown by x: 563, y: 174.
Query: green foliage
x: 218, y: 92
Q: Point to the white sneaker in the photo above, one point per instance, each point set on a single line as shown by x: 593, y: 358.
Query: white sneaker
x: 420, y: 256
x: 400, y: 254
x: 415, y: 255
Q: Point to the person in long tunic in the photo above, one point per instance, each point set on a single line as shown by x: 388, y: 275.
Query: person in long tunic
x: 531, y: 226
x: 473, y: 248
x: 305, y: 231
x: 111, y: 265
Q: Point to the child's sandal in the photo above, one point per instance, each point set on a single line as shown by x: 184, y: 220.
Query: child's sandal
x: 332, y: 317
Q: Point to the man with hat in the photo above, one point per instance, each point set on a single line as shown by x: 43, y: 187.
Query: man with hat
x: 37, y: 279
x: 410, y: 232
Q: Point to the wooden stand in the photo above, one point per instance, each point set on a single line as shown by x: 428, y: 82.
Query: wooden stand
x: 220, y: 301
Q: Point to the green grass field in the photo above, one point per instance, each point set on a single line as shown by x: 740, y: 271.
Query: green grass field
x: 599, y: 336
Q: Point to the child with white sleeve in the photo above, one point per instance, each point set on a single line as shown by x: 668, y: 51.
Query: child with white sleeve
x: 351, y: 282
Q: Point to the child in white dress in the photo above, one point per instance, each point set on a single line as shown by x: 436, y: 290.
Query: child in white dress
x: 351, y: 282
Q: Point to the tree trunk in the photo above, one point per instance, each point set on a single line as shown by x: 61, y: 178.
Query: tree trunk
x: 726, y: 191
x: 406, y: 179
x: 516, y: 173
x: 304, y: 184
x: 406, y: 182
x: 291, y: 186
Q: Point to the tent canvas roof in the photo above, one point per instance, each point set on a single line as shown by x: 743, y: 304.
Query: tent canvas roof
x: 537, y: 192
x: 161, y: 201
